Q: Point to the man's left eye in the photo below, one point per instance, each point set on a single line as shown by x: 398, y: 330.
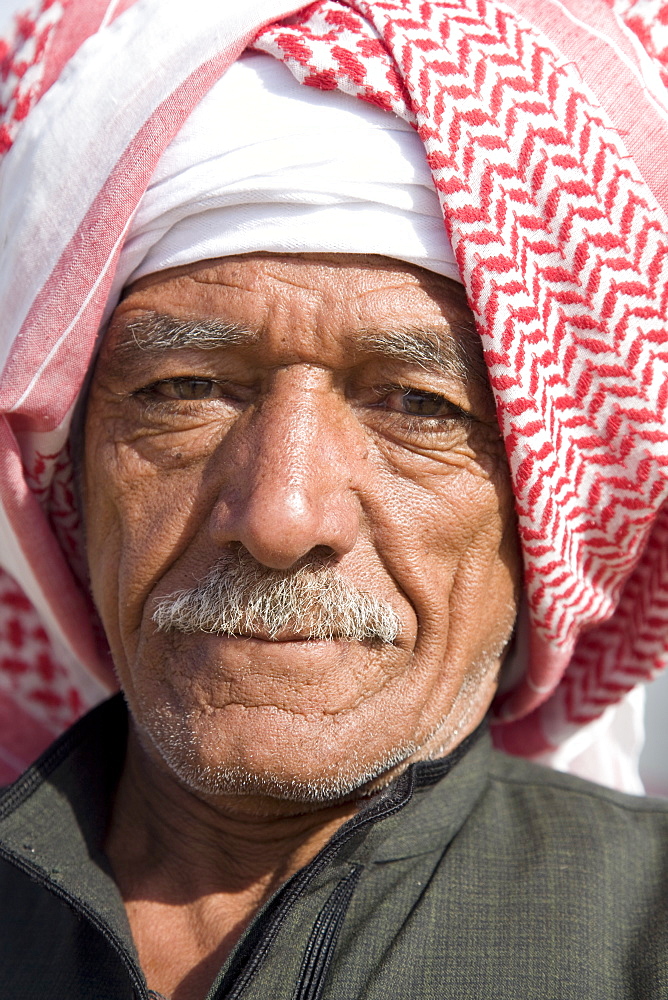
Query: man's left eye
x: 415, y: 403
x: 186, y: 388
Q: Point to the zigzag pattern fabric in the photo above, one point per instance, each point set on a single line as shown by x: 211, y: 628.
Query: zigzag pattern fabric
x: 543, y: 126
x: 562, y: 248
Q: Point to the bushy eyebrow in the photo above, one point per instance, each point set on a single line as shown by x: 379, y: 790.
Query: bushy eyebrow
x: 455, y: 353
x: 156, y: 332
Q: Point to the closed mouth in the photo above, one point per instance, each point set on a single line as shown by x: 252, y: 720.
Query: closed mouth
x: 283, y: 637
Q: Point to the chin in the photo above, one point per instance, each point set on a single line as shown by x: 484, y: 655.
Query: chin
x: 222, y: 780
x: 195, y: 755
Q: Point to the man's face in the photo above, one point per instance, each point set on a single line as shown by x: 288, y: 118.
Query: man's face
x: 308, y: 422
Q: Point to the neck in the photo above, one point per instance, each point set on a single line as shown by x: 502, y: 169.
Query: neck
x: 209, y: 843
x: 194, y: 870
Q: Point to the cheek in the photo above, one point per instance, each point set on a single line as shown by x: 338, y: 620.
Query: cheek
x: 452, y: 551
x: 139, y: 519
x: 450, y: 544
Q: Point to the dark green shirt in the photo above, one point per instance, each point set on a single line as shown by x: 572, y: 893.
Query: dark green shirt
x: 477, y: 877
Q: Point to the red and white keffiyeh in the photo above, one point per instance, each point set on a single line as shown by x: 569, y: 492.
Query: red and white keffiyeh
x: 545, y: 126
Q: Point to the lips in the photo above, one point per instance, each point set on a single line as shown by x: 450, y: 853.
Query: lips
x: 281, y: 638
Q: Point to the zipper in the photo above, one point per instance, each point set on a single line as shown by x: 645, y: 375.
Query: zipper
x: 324, y: 936
x: 256, y: 946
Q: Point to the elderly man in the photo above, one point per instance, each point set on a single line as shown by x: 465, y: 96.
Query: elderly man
x: 333, y: 503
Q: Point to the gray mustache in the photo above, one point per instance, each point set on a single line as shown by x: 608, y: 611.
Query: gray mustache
x: 241, y: 597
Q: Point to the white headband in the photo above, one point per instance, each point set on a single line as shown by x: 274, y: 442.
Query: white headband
x: 265, y: 163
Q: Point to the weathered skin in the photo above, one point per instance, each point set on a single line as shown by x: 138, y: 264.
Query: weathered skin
x: 298, y: 445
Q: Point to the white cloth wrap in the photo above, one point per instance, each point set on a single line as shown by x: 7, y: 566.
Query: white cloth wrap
x: 264, y: 163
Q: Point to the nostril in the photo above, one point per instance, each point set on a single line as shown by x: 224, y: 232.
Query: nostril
x: 323, y: 553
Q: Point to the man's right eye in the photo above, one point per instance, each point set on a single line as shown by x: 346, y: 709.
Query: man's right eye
x: 190, y: 389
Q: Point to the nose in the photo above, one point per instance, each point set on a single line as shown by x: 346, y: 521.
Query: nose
x: 289, y: 477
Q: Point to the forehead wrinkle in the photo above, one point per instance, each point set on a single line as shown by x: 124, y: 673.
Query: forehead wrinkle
x: 153, y: 331
x: 435, y: 351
